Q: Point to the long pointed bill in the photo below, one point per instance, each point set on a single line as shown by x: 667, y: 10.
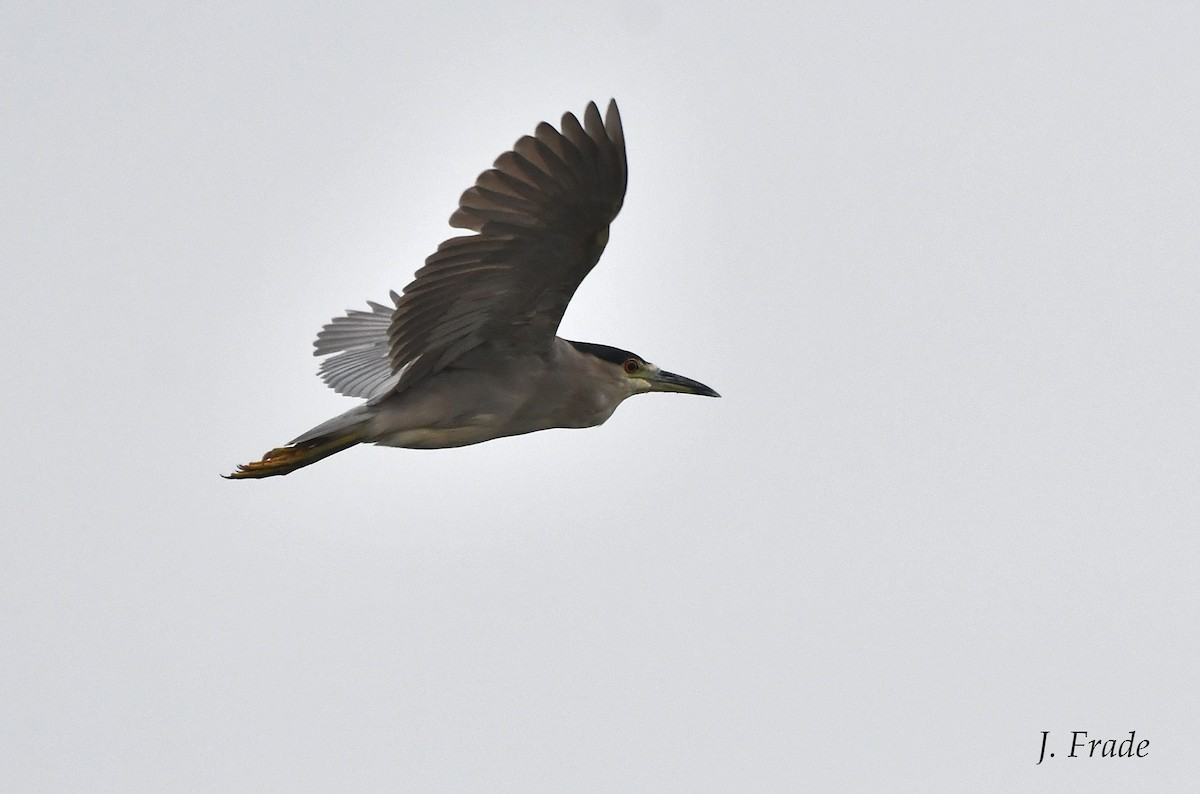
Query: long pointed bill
x: 669, y: 381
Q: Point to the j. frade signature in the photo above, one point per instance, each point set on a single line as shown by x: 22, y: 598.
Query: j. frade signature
x: 1082, y: 747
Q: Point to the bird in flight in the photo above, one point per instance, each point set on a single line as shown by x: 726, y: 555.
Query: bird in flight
x: 469, y: 352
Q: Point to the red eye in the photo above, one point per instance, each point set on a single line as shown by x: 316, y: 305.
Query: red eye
x: 631, y: 365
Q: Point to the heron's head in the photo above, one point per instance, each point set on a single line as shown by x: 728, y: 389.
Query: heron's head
x: 639, y: 374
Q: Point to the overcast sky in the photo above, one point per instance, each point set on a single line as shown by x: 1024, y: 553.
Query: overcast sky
x: 940, y: 260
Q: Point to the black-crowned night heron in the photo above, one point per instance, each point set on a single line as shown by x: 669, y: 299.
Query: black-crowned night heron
x: 468, y: 353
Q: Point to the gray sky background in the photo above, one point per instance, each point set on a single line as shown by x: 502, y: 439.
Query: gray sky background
x: 940, y: 260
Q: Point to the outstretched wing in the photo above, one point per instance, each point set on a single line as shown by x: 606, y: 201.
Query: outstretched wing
x: 541, y: 217
x: 361, y: 366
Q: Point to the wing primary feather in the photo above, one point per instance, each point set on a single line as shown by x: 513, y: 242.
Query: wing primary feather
x: 513, y: 164
x: 574, y: 133
x: 540, y: 217
x: 566, y: 151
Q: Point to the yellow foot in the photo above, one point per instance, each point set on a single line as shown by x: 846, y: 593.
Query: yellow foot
x: 285, y: 460
x: 281, y: 460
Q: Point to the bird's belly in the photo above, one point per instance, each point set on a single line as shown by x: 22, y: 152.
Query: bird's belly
x: 477, y: 428
x: 463, y: 430
x: 462, y: 408
x: 471, y: 432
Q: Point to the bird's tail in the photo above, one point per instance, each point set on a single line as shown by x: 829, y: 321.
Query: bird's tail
x: 297, y: 455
